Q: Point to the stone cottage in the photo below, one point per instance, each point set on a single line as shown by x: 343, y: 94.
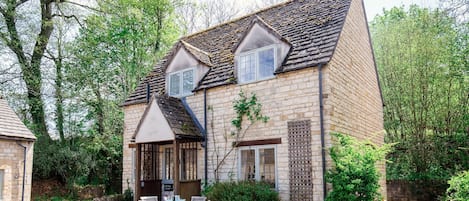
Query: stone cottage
x: 310, y: 64
x: 16, y: 156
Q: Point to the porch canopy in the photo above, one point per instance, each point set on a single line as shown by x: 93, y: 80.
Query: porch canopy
x: 167, y: 141
x: 166, y: 119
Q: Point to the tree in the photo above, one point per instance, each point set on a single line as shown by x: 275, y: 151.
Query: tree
x: 265, y: 3
x: 26, y: 27
x: 457, y: 8
x: 422, y: 62
x: 115, y: 51
x: 65, y: 29
x: 197, y: 15
x: 30, y: 64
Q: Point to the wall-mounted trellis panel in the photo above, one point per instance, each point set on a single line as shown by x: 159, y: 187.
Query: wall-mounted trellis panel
x: 299, y: 159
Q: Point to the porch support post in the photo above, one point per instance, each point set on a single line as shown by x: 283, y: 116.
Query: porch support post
x: 176, y: 167
x: 138, y: 173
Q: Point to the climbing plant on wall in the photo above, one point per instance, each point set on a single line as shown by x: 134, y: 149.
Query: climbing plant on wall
x: 248, y: 112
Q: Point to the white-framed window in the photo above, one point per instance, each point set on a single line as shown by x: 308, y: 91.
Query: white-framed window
x: 257, y: 64
x: 258, y: 163
x: 181, y: 83
x: 2, y: 177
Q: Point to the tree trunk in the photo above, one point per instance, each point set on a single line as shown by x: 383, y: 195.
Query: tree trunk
x: 31, y: 70
x: 58, y: 93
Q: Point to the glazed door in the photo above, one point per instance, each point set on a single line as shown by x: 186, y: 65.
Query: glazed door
x: 167, y: 184
x: 150, y: 180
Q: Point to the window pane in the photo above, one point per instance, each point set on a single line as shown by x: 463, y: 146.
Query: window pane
x: 248, y: 168
x: 188, y: 81
x: 189, y: 164
x: 267, y: 166
x: 149, y: 161
x: 168, y: 164
x: 247, y: 68
x: 174, y: 81
x: 266, y: 63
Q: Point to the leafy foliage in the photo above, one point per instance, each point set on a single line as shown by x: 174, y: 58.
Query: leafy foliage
x: 128, y: 195
x: 422, y: 60
x: 245, y: 107
x: 458, y: 187
x: 94, y: 160
x: 53, y: 159
x: 249, y: 108
x: 112, y: 53
x: 355, y: 176
x: 242, y: 191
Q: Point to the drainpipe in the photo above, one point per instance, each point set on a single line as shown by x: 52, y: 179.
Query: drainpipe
x: 24, y: 168
x: 205, y: 137
x: 323, y: 147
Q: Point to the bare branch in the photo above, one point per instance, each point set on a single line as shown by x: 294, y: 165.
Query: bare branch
x: 11, y: 79
x: 19, y: 3
x: 11, y: 73
x: 83, y: 6
x: 50, y: 55
x: 69, y: 17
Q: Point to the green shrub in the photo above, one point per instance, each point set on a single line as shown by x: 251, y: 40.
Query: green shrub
x: 207, y: 187
x: 458, y: 187
x: 242, y: 191
x: 128, y: 193
x: 355, y: 176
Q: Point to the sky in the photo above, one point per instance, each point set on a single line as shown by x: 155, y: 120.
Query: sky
x: 374, y: 7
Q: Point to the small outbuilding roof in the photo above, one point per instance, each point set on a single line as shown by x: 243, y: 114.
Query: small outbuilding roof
x: 10, y: 125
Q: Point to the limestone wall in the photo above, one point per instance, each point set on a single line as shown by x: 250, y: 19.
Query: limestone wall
x: 132, y: 115
x: 289, y: 97
x: 352, y: 98
x: 11, y: 163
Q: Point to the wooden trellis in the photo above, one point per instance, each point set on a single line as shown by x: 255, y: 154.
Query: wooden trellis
x: 300, y: 164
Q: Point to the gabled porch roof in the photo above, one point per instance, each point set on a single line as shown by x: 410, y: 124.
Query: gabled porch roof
x: 166, y: 119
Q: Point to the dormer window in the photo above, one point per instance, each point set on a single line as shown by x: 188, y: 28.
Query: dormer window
x: 259, y: 52
x: 257, y: 64
x: 181, y: 83
x: 184, y: 69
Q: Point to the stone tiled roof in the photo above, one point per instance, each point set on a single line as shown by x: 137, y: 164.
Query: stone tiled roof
x: 10, y: 125
x: 155, y: 80
x: 259, y: 21
x: 199, y: 54
x: 312, y: 27
x: 178, y: 117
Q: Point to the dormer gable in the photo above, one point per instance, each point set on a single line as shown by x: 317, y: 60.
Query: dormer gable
x: 185, y: 69
x: 260, y: 52
x: 260, y: 34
